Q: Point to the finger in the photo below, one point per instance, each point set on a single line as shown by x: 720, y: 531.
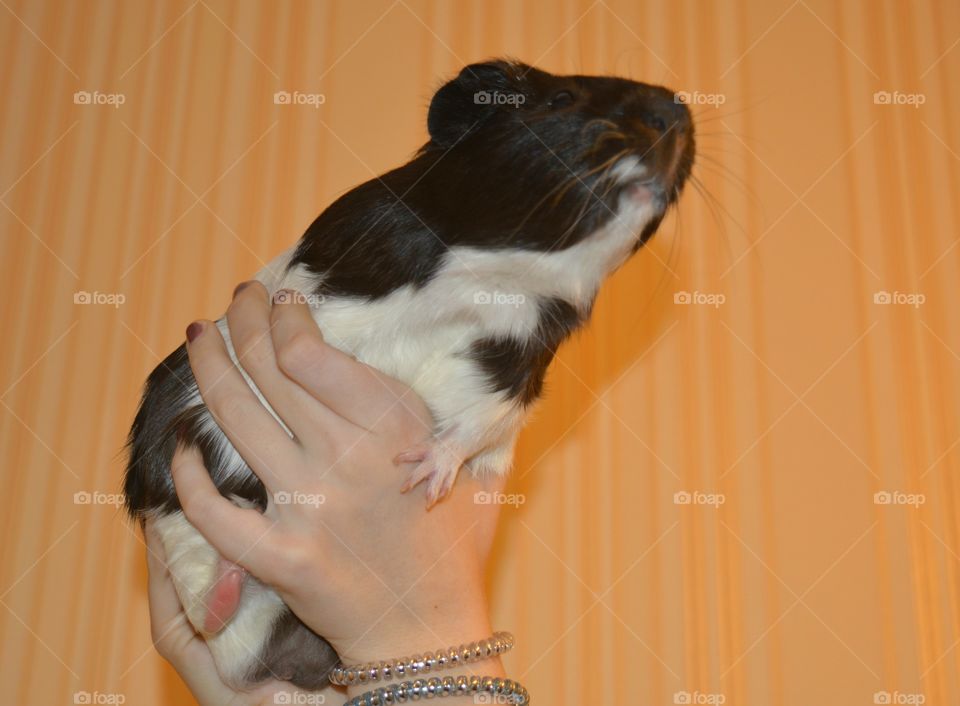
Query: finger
x: 364, y: 396
x: 252, y: 430
x: 241, y: 535
x: 249, y: 321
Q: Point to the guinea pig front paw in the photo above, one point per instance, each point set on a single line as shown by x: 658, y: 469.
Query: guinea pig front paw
x: 438, y: 462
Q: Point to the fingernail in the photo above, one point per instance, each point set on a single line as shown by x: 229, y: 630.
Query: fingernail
x: 194, y: 330
x: 240, y: 288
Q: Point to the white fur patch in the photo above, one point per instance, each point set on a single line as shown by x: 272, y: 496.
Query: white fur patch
x: 192, y: 563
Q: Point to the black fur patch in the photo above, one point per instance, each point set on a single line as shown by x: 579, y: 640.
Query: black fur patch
x: 163, y: 415
x: 518, y: 367
x: 296, y: 654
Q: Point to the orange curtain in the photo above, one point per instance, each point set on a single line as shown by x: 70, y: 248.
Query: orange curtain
x: 742, y: 483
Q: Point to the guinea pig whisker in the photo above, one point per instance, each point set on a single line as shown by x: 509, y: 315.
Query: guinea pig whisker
x: 713, y: 205
x: 575, y: 178
x: 722, y: 171
x: 605, y: 136
x: 564, y: 184
x: 598, y: 121
x: 606, y: 165
x: 571, y: 182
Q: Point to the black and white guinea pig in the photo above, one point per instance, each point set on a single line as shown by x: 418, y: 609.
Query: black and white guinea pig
x: 459, y: 273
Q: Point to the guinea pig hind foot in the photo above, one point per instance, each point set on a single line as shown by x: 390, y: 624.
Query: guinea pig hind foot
x: 438, y: 462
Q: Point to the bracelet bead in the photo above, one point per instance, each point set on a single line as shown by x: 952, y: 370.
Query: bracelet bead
x: 418, y: 664
x: 436, y: 687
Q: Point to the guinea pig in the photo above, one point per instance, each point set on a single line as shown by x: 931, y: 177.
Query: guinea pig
x: 459, y: 273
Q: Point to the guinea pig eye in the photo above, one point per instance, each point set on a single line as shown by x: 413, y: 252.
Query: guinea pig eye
x: 561, y: 99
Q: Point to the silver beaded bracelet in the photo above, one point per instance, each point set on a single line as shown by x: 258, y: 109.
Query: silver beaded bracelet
x: 494, y: 645
x: 500, y: 691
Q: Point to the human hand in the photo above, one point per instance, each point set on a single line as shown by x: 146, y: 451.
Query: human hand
x: 367, y: 567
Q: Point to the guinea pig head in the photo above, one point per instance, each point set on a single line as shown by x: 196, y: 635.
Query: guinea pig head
x: 542, y: 161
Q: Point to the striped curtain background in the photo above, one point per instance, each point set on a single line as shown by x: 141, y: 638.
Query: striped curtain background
x: 742, y: 485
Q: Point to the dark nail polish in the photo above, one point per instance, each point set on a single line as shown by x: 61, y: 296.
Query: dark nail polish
x: 240, y: 288
x: 194, y: 330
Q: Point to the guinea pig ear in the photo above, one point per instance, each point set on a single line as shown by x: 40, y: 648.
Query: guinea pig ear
x: 465, y: 102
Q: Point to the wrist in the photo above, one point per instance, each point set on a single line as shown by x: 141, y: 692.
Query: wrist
x: 412, y: 627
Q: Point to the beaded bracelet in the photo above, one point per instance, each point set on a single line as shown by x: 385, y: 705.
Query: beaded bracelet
x: 500, y: 691
x: 494, y: 645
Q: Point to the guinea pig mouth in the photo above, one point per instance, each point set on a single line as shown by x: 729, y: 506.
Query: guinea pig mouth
x: 648, y: 191
x: 651, y: 179
x: 640, y: 185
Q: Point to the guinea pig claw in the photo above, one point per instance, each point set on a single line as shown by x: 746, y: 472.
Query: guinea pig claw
x: 415, y: 454
x: 437, y: 491
x: 421, y: 472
